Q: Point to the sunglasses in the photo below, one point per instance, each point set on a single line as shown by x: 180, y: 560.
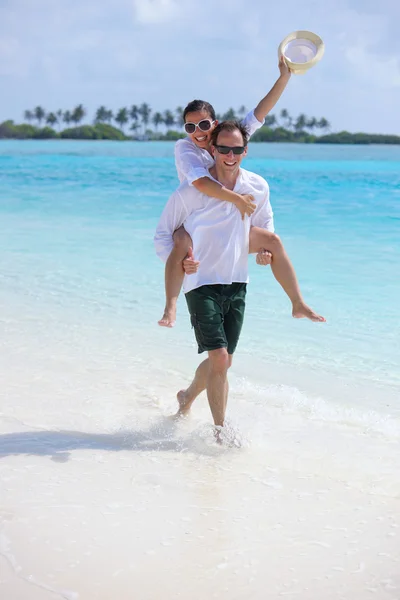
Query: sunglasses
x: 204, y: 125
x: 227, y: 149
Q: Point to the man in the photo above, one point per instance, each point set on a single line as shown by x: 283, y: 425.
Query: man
x: 215, y: 284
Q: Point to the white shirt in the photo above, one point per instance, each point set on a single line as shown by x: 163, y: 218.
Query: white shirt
x: 193, y: 162
x: 220, y: 236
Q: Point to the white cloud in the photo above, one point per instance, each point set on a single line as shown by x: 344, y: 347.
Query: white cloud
x: 155, y: 11
x: 13, y: 61
x: 385, y: 71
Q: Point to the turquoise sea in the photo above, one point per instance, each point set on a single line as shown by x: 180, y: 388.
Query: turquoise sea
x: 78, y: 270
x: 100, y: 488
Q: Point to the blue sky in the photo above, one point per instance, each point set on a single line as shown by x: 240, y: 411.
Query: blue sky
x: 59, y: 53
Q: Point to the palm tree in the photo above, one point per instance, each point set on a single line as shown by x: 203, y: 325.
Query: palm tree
x: 242, y: 111
x: 28, y: 116
x: 179, y: 121
x: 311, y: 124
x: 67, y: 117
x: 168, y: 119
x: 122, y: 117
x: 134, y: 114
x: 109, y: 116
x: 101, y: 115
x: 144, y: 111
x: 323, y: 124
x: 300, y: 122
x: 134, y: 127
x: 51, y: 119
x: 77, y: 114
x: 39, y: 114
x: 287, y: 118
x: 157, y: 119
x: 270, y: 120
x: 229, y: 115
x: 59, y: 115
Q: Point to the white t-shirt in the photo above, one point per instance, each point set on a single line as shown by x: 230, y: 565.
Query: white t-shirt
x: 193, y: 162
x: 220, y: 236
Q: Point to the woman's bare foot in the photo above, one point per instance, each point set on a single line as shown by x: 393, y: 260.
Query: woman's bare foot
x: 184, y: 403
x: 302, y: 311
x: 168, y: 318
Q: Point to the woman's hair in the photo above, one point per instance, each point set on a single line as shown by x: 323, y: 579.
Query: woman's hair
x: 230, y: 126
x: 196, y: 105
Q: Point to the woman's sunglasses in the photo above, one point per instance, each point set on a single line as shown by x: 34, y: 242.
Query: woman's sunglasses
x: 204, y: 125
x: 227, y: 149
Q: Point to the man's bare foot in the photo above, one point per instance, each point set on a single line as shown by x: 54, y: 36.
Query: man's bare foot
x: 184, y: 403
x: 302, y: 311
x: 228, y: 436
x: 168, y: 318
x: 218, y: 435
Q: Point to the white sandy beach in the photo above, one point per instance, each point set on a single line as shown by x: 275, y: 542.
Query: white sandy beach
x: 103, y: 496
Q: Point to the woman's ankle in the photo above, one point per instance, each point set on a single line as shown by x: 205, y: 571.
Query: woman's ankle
x: 170, y: 305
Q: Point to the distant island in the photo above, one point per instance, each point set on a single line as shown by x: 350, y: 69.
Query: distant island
x: 140, y: 123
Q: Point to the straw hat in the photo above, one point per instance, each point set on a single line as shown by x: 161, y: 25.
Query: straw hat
x: 301, y: 51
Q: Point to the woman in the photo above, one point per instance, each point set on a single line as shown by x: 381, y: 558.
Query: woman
x: 193, y: 159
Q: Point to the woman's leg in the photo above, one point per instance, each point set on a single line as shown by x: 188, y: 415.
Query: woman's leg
x: 283, y: 271
x: 174, y: 275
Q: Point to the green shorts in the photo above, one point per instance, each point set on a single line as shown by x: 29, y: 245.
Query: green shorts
x: 216, y: 314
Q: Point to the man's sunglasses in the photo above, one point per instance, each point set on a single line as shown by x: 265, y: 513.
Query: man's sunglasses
x: 227, y: 149
x: 204, y: 125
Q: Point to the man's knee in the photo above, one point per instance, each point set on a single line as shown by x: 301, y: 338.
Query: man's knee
x: 220, y: 360
x: 182, y: 240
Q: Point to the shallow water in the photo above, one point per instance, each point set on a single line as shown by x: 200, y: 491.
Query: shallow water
x: 100, y: 488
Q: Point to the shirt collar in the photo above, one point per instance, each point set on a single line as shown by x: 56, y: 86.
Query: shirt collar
x: 238, y: 180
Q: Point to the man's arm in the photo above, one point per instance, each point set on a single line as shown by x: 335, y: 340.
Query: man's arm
x: 268, y: 102
x: 172, y: 217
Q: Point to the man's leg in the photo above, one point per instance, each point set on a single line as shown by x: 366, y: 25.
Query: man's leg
x: 230, y: 357
x: 198, y: 385
x: 283, y: 271
x: 221, y: 359
x: 207, y: 317
x: 217, y: 384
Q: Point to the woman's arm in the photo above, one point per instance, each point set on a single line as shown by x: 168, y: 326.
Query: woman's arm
x: 243, y: 202
x: 268, y: 102
x: 193, y: 166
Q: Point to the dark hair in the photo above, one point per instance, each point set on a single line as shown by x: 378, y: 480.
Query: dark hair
x: 230, y: 126
x: 196, y: 105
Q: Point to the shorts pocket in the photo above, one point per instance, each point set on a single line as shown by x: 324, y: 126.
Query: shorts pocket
x: 197, y: 329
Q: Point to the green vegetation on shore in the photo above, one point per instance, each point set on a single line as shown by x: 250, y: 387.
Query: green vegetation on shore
x: 139, y: 120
